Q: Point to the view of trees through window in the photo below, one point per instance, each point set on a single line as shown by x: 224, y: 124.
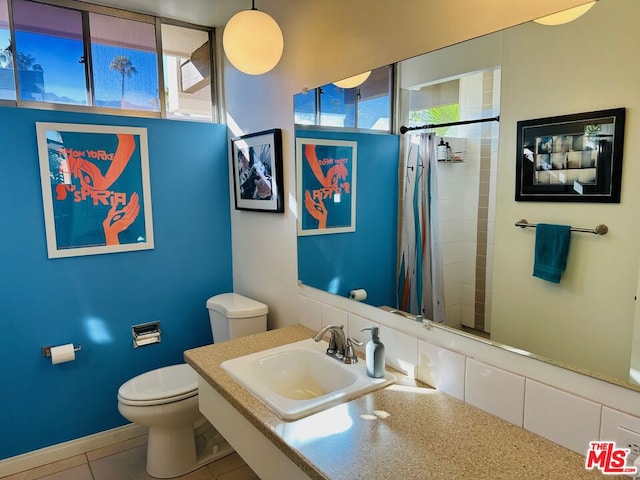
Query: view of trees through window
x: 117, y: 69
x: 435, y: 116
x: 125, y: 63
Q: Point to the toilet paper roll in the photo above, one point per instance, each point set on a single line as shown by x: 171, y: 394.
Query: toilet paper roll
x: 63, y: 353
x: 359, y: 294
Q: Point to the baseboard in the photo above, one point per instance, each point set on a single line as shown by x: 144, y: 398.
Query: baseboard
x: 37, y: 458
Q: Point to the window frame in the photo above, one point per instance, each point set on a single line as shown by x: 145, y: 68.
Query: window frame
x: 85, y: 9
x: 317, y: 92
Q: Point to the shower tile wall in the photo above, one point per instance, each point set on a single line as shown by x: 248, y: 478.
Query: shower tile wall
x: 466, y: 192
x: 467, y: 203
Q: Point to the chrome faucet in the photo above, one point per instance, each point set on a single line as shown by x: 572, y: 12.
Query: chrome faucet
x: 340, y: 347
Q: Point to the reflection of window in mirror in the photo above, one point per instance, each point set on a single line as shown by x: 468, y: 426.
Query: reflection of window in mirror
x: 367, y: 106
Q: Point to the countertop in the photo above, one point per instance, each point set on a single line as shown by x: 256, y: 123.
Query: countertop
x: 402, y: 431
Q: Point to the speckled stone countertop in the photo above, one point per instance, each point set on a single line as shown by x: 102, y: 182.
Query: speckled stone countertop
x: 401, y: 431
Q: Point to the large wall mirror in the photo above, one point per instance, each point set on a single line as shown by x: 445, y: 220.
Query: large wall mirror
x: 530, y: 71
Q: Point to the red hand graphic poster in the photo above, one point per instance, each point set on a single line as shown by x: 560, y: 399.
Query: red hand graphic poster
x: 95, y: 189
x: 326, y: 172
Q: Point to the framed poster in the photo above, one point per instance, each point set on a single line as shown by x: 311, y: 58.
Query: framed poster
x: 326, y: 171
x: 571, y: 158
x: 95, y: 188
x: 256, y: 163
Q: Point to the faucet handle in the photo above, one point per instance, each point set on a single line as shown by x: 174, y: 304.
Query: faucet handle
x: 349, y: 352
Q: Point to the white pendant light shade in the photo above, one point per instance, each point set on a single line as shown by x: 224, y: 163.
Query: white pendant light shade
x: 353, y: 82
x: 253, y: 42
x: 565, y: 16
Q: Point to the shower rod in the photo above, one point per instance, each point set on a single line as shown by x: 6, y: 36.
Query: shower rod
x: 600, y: 229
x: 404, y: 129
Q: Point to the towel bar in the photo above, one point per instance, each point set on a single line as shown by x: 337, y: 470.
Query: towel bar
x: 600, y: 229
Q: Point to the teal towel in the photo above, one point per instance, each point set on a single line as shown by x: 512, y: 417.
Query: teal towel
x: 551, y: 250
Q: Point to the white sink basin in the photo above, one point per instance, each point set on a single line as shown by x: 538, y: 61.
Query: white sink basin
x: 299, y: 379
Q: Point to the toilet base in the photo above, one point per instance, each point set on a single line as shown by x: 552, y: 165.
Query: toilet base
x: 176, y: 451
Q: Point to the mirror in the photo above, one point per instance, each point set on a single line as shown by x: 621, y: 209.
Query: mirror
x: 586, y: 322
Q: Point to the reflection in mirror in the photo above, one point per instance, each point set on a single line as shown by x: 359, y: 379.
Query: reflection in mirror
x: 586, y: 322
x: 366, y: 106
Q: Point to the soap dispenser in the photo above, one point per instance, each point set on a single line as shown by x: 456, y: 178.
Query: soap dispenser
x: 374, y: 354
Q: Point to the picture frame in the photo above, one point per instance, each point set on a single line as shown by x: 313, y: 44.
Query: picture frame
x: 95, y: 188
x: 326, y: 185
x: 256, y: 165
x: 571, y: 158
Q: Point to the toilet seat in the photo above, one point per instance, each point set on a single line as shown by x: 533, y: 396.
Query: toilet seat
x: 160, y: 386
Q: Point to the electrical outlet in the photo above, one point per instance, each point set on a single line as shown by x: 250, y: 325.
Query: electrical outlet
x: 631, y: 440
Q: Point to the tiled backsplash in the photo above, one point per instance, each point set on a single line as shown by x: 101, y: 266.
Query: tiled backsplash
x: 561, y: 405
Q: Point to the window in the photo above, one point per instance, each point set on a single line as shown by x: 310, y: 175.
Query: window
x: 84, y: 55
x: 365, y: 107
x: 124, y: 63
x: 49, y: 49
x: 186, y: 59
x: 7, y: 81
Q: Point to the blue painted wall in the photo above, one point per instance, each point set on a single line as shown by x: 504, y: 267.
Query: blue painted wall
x: 366, y: 258
x: 94, y: 300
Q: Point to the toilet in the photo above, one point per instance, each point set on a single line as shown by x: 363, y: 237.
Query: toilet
x: 166, y: 399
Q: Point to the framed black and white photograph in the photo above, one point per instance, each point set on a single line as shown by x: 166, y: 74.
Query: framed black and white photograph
x: 256, y: 163
x: 571, y: 158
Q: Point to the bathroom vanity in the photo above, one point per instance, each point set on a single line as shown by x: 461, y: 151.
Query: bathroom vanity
x: 406, y: 430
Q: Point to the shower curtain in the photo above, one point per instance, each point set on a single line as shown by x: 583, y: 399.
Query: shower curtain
x: 420, y: 282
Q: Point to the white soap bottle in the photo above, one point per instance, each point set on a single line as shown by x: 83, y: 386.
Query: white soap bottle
x: 374, y: 354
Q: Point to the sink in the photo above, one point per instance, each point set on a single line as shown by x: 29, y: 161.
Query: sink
x: 298, y: 379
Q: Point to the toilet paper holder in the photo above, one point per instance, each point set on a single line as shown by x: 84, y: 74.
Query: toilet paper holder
x: 46, y: 351
x: 146, y: 334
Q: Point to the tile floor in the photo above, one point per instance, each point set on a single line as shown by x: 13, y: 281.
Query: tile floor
x: 126, y: 461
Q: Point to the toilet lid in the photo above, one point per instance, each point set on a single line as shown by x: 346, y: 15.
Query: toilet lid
x: 163, y: 385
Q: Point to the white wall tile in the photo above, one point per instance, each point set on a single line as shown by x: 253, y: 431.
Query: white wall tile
x: 451, y: 231
x: 356, y: 324
x: 454, y: 315
x: 309, y: 312
x: 401, y: 350
x: 467, y: 315
x: 450, y: 209
x: 561, y: 417
x: 471, y: 228
x: 611, y: 420
x: 469, y: 252
x: 468, y: 294
x: 494, y: 390
x: 334, y: 316
x: 454, y: 294
x: 452, y: 273
x: 441, y: 368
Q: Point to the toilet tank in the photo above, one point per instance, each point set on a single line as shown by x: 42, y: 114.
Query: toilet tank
x: 233, y: 315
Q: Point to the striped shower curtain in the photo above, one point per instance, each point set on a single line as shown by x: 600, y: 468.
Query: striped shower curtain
x: 420, y: 283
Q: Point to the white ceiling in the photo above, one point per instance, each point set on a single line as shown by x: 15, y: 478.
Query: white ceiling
x: 211, y: 13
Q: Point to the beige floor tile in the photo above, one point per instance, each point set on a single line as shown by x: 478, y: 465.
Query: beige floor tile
x: 131, y: 465
x: 81, y: 472
x: 202, y: 473
x: 226, y: 464
x: 117, y: 448
x: 49, y: 469
x: 242, y: 473
x: 127, y: 465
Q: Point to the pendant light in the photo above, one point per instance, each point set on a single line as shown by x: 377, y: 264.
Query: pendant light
x: 565, y: 16
x: 353, y: 82
x: 252, y: 41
